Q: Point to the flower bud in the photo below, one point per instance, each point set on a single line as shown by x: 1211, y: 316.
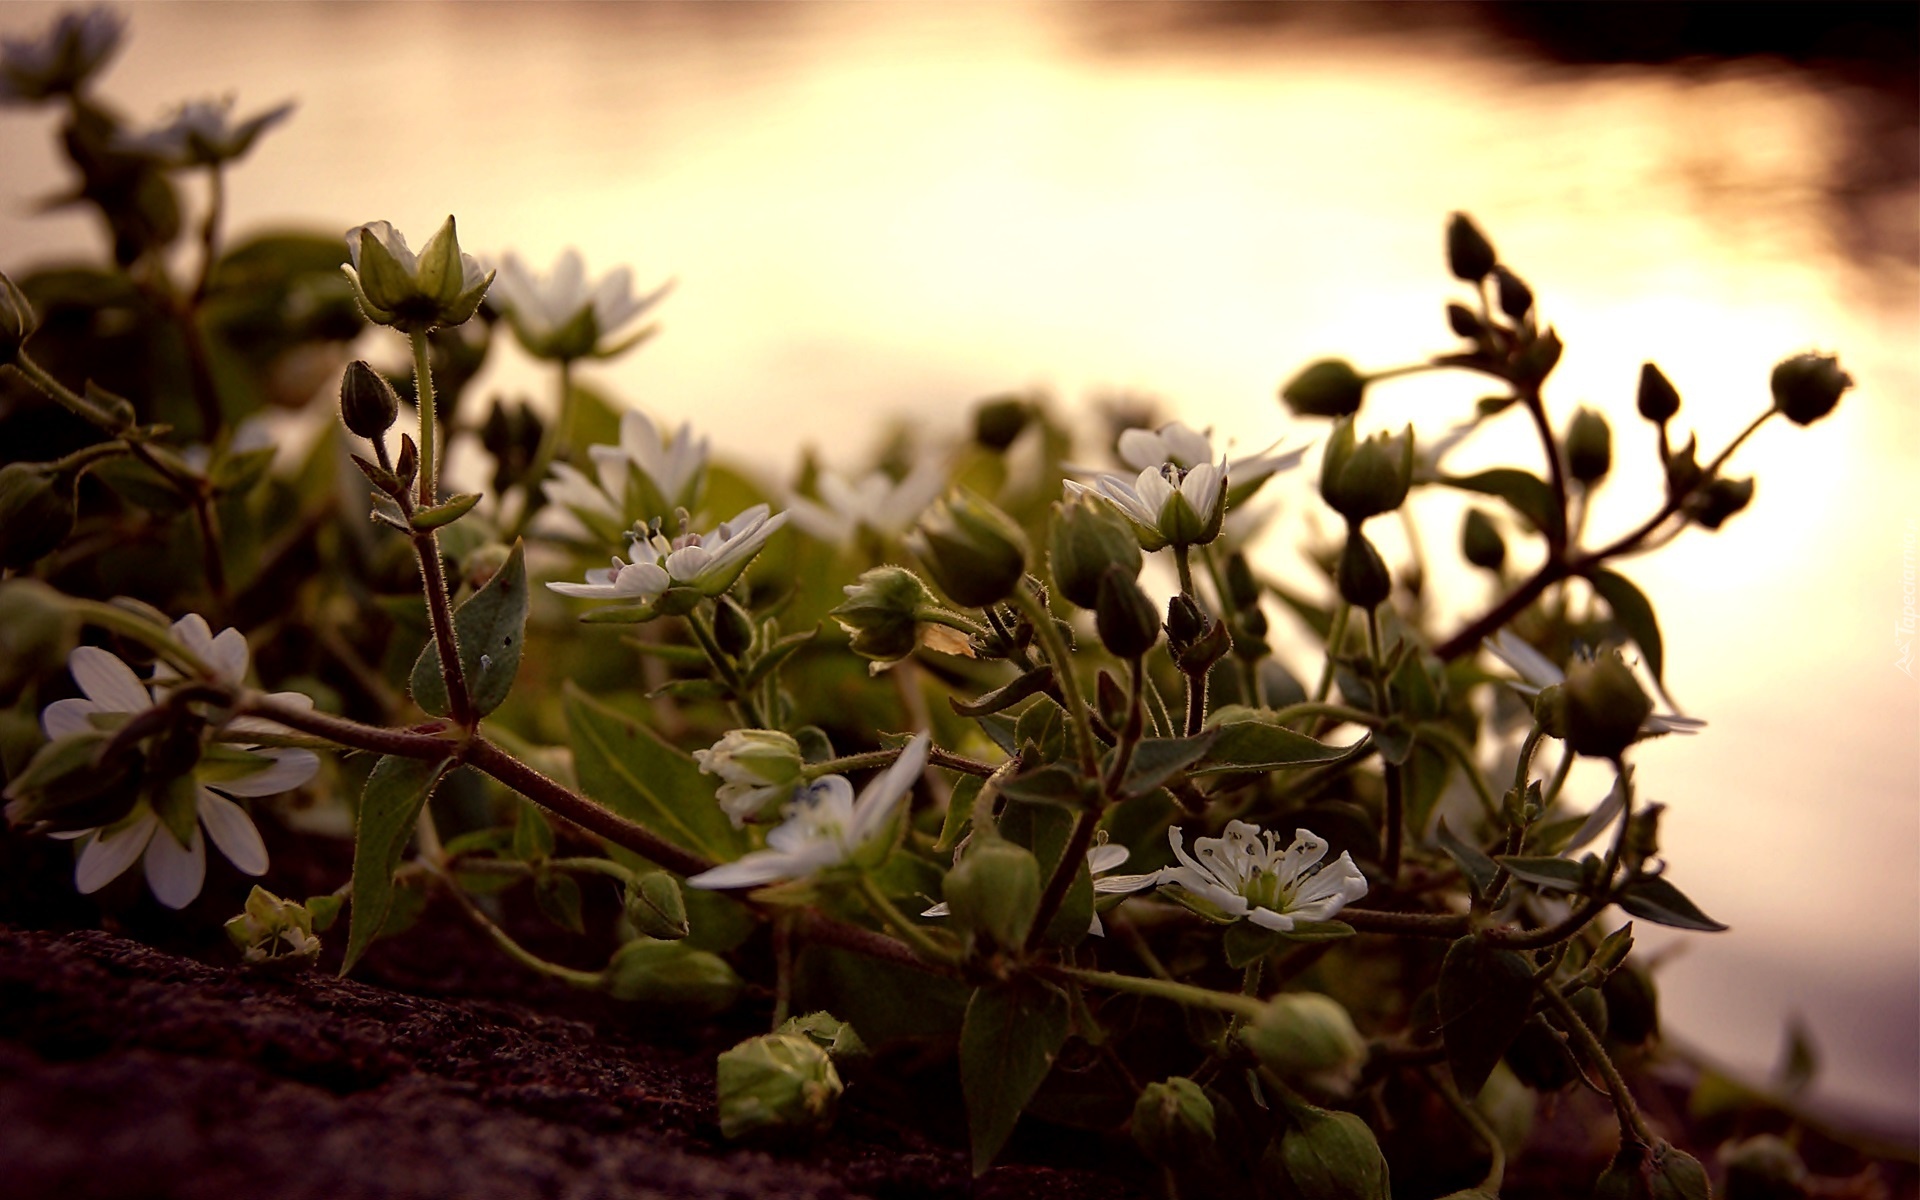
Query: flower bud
x: 272, y: 929
x: 1538, y: 358
x: 1515, y: 297
x: 368, y: 404
x: 994, y: 891
x: 36, y: 512
x: 881, y: 610
x: 17, y: 319
x: 1464, y: 321
x: 732, y: 627
x: 1604, y: 706
x: 1186, y: 624
x: 1124, y: 616
x: 656, y: 908
x: 975, y: 553
x: 1633, y: 1007
x: 671, y: 975
x: 1481, y: 543
x: 1763, y: 1168
x: 1589, y: 446
x: 758, y: 769
x: 1658, y: 1172
x: 1173, y: 1122
x: 1713, y: 504
x: 1242, y: 588
x: 997, y: 422
x: 1658, y: 399
x: 66, y: 786
x: 1089, y: 536
x: 1328, y: 1156
x: 1807, y: 386
x: 1469, y: 254
x: 828, y: 1032
x: 1328, y: 388
x: 414, y: 293
x: 1305, y: 1037
x: 1362, y: 575
x: 1364, y: 479
x: 777, y: 1082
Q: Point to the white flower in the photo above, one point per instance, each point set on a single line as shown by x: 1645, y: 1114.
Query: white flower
x: 1245, y: 873
x: 875, y: 502
x: 438, y: 288
x: 707, y: 563
x: 1187, y: 448
x: 562, y: 315
x: 201, y: 133
x: 175, y: 871
x: 61, y: 59
x: 757, y: 768
x: 1538, y: 672
x: 1100, y: 859
x: 645, y: 476
x: 1167, y: 505
x: 825, y: 826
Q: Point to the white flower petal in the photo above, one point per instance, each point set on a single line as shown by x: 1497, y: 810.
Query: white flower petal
x: 64, y: 717
x: 879, y: 799
x: 108, y: 854
x: 175, y: 872
x: 761, y: 866
x: 1105, y: 858
x: 290, y: 768
x: 233, y: 832
x: 107, y: 681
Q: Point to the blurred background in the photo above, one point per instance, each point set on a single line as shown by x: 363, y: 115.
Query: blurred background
x: 883, y: 213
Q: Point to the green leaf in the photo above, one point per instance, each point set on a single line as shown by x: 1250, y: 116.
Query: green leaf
x: 1255, y: 746
x: 779, y: 653
x: 241, y: 473
x: 625, y: 766
x: 959, y: 813
x: 1156, y: 760
x: 1244, y: 943
x: 1484, y: 996
x: 1008, y: 1042
x: 1634, y: 612
x: 1528, y: 494
x: 558, y: 896
x: 532, y: 835
x: 1044, y: 724
x: 1472, y: 861
x: 1554, y: 874
x: 1395, y: 741
x: 1052, y: 784
x: 1652, y: 898
x: 433, y: 516
x: 490, y: 626
x: 396, y: 791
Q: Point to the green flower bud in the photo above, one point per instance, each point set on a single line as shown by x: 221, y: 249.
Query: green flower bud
x: 1807, y: 386
x: 1763, y: 1168
x: 1713, y: 504
x: 732, y: 627
x: 975, y: 553
x: 1633, y: 1007
x: 1186, y: 624
x: 1589, y: 446
x: 997, y: 422
x: 1125, y: 618
x: 37, y: 630
x: 994, y: 891
x: 1327, y: 1156
x: 1242, y: 588
x: 1658, y: 1172
x: 1305, y: 1037
x: 671, y: 975
x: 1469, y: 254
x: 414, y: 293
x: 1604, y: 706
x: 36, y: 512
x: 1088, y: 536
x: 777, y: 1082
x: 1464, y: 321
x: 828, y: 1032
x: 1658, y: 399
x: 656, y: 908
x: 1362, y: 575
x: 1481, y: 543
x: 17, y: 319
x: 66, y: 786
x: 1364, y: 479
x: 881, y: 613
x: 368, y: 404
x: 1515, y: 297
x: 1173, y: 1122
x: 1328, y: 388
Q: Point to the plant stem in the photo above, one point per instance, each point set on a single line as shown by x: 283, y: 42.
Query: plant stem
x: 1056, y: 652
x: 1165, y: 989
x: 1632, y: 1124
x: 1181, y: 554
x: 590, y: 980
x: 903, y: 928
x: 429, y: 419
x: 936, y: 757
x: 1497, y: 1169
x: 743, y: 700
x: 426, y: 546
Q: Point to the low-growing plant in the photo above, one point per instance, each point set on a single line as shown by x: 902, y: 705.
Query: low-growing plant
x: 957, y: 777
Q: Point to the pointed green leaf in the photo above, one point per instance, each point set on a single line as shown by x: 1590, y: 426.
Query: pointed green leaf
x: 1156, y: 760
x: 1053, y: 784
x: 1484, y: 996
x: 1652, y: 898
x: 1259, y: 746
x: 446, y: 512
x: 959, y: 813
x: 1528, y: 494
x: 625, y: 766
x: 1008, y: 1042
x: 396, y: 791
x: 1472, y: 861
x: 1634, y: 612
x: 490, y: 629
x: 1554, y: 874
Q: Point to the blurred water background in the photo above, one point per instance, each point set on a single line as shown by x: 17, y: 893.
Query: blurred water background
x: 878, y: 212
